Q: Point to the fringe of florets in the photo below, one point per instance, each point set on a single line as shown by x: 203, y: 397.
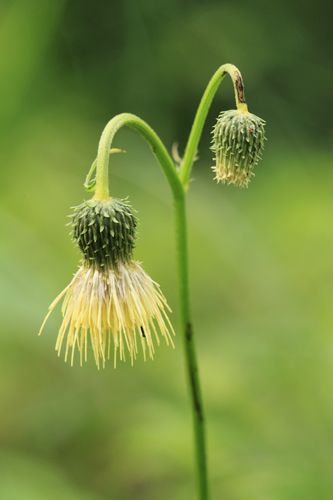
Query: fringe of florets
x: 111, y: 310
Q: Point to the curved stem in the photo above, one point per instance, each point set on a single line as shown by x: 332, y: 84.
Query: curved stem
x: 179, y: 196
x: 178, y: 181
x: 201, y: 114
x: 103, y: 154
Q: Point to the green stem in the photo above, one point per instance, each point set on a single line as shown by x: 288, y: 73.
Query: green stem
x: 160, y: 151
x: 201, y: 114
x: 178, y: 181
x: 179, y: 196
x: 90, y: 182
x: 189, y: 349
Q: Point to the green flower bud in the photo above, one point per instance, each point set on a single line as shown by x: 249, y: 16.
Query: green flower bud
x: 105, y: 231
x: 238, y: 142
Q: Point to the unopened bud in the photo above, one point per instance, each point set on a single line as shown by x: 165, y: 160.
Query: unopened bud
x: 238, y: 142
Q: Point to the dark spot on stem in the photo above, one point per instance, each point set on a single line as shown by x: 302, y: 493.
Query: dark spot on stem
x: 189, y: 332
x: 194, y: 377
x: 143, y: 332
x: 240, y: 87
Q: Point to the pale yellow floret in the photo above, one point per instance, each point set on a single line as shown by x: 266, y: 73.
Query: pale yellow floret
x: 228, y: 174
x: 114, y: 309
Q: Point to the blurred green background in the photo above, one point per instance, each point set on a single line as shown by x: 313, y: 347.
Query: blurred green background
x: 261, y: 259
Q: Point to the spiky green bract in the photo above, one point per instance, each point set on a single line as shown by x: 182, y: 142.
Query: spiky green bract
x: 238, y: 142
x: 105, y: 232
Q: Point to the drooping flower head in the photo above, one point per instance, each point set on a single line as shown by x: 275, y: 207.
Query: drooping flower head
x: 238, y: 143
x: 111, y: 303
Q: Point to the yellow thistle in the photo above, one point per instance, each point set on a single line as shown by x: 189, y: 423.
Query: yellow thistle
x: 110, y: 302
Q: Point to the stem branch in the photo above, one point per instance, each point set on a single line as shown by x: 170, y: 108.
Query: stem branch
x: 178, y: 181
x: 169, y: 169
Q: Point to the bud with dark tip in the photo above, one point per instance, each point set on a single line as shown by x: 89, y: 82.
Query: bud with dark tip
x: 105, y: 231
x: 238, y: 142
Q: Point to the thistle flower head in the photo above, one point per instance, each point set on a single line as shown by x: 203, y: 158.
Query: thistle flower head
x: 238, y: 142
x: 105, y: 231
x: 111, y: 302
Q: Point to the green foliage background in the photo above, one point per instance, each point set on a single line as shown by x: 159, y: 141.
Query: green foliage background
x: 261, y: 259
